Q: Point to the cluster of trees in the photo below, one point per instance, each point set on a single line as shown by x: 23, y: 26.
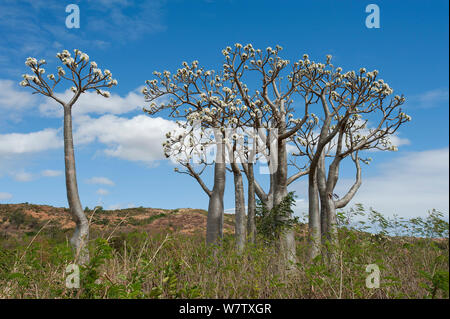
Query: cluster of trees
x: 256, y: 107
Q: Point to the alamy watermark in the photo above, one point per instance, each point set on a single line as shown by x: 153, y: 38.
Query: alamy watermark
x: 373, y: 19
x: 373, y: 279
x: 200, y: 145
x: 73, y: 19
x: 73, y: 276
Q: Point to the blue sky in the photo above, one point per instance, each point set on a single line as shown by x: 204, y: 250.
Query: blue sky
x: 119, y: 158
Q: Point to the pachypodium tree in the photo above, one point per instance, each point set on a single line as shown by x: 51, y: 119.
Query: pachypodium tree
x: 356, y: 115
x: 233, y: 145
x: 83, y: 76
x: 198, y: 95
x: 245, y: 151
x: 272, y: 90
x: 188, y: 146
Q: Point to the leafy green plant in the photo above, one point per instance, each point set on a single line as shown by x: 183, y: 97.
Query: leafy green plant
x: 270, y: 223
x: 90, y: 273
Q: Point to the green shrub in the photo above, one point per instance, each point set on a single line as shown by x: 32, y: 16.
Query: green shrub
x: 270, y: 223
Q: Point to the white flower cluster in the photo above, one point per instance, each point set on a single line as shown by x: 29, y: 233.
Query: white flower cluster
x: 382, y: 88
x: 61, y: 71
x: 66, y: 58
x: 104, y: 93
x: 393, y: 148
x: 27, y: 78
x: 31, y: 62
x: 84, y: 57
x: 36, y: 67
x: 72, y: 63
x: 335, y: 95
x: 405, y: 116
x: 400, y: 99
x: 97, y: 72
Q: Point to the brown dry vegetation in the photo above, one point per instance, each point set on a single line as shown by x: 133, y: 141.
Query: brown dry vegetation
x: 17, y: 219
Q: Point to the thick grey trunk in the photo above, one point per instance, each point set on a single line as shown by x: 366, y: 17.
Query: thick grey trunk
x: 80, y: 236
x: 330, y: 204
x: 331, y: 235
x: 321, y: 185
x: 214, y: 222
x: 330, y: 209
x: 251, y: 210
x: 239, y: 208
x: 287, y: 238
x: 314, y: 217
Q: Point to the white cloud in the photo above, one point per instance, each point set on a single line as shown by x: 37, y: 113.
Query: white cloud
x: 22, y: 176
x: 100, y: 180
x: 14, y: 97
x: 5, y: 196
x: 91, y: 102
x: 398, y: 141
x: 409, y: 185
x: 431, y: 98
x: 51, y: 173
x: 21, y: 143
x: 135, y: 139
x: 114, y: 207
x: 102, y: 191
x: 18, y: 149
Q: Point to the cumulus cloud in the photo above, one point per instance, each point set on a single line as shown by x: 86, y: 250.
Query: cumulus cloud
x: 14, y: 98
x: 51, y: 173
x: 431, y: 98
x: 22, y: 143
x: 135, y: 139
x: 91, y: 102
x: 101, y: 181
x: 409, y: 185
x: 102, y: 191
x: 5, y: 196
x: 22, y: 176
x: 399, y: 141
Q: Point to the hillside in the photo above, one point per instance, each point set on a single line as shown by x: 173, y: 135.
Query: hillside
x: 17, y: 219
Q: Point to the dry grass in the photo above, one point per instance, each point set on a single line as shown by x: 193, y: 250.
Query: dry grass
x: 174, y: 265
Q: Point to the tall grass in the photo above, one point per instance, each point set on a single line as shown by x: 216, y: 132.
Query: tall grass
x: 172, y: 265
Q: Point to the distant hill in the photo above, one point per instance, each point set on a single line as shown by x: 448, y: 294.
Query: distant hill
x: 17, y: 219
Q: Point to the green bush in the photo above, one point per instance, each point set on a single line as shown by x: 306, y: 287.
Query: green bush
x: 270, y: 223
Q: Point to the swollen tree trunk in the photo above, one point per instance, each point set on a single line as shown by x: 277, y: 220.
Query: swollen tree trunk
x: 251, y: 210
x: 287, y: 238
x: 214, y: 222
x: 321, y: 186
x: 239, y: 208
x: 314, y: 217
x: 330, y: 209
x: 332, y: 236
x: 80, y: 236
x: 330, y: 205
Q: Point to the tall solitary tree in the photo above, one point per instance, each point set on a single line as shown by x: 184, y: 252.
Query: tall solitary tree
x: 83, y: 76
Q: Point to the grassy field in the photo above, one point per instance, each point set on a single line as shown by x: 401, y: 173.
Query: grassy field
x: 171, y: 264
